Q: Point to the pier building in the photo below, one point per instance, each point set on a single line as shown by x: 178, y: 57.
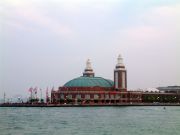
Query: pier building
x: 90, y: 89
x: 169, y: 89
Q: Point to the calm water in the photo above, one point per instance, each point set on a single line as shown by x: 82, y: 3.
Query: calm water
x: 90, y: 121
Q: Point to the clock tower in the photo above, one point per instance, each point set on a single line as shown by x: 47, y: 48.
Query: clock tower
x: 120, y: 75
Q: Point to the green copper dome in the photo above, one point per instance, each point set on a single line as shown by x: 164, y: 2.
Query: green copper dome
x: 89, y: 82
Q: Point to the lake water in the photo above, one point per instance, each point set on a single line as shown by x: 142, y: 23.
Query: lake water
x: 90, y: 121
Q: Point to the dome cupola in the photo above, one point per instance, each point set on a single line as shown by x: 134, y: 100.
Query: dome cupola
x: 88, y: 72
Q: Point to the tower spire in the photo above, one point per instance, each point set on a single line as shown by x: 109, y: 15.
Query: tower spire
x: 88, y: 72
x: 88, y: 64
x: 119, y: 61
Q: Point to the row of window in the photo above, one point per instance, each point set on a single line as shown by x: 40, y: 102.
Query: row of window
x: 95, y: 96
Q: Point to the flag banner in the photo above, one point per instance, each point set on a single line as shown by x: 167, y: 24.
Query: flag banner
x: 35, y: 90
x: 30, y: 89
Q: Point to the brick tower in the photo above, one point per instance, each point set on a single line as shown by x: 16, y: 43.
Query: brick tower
x: 120, y: 75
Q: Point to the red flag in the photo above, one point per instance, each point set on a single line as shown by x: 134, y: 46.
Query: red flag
x: 30, y: 89
x: 35, y: 90
x: 47, y: 93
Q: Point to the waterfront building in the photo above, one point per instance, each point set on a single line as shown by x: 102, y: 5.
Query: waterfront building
x: 158, y: 97
x: 89, y: 89
x: 169, y: 89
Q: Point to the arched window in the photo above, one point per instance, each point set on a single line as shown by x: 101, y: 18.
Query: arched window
x: 87, y: 96
x: 62, y: 96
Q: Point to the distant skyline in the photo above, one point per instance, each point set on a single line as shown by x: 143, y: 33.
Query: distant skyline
x: 46, y: 43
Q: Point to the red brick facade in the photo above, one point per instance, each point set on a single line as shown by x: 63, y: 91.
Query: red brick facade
x: 93, y: 95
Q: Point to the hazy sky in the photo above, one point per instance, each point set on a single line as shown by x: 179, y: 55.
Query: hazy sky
x: 45, y: 43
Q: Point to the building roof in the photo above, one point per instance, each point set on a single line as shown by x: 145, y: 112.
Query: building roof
x: 169, y: 88
x: 84, y: 81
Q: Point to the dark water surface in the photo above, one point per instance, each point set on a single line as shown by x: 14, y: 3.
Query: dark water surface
x: 90, y: 121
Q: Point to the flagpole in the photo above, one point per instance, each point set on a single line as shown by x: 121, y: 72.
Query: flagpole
x: 47, y: 95
x: 41, y: 94
x: 31, y: 96
x: 4, y: 97
x: 30, y: 90
x: 36, y: 93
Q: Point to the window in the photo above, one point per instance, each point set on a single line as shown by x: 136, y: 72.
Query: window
x: 62, y: 96
x: 117, y: 96
x: 112, y: 96
x: 96, y: 96
x: 123, y: 96
x: 106, y: 96
x: 123, y: 80
x: 87, y: 96
x: 102, y: 96
x: 69, y: 96
x: 78, y: 96
x: 116, y: 80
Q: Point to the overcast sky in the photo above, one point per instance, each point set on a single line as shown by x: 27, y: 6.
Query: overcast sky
x: 46, y: 43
